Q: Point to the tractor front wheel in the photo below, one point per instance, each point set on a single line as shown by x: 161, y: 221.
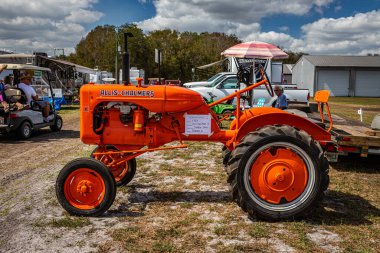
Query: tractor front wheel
x: 123, y: 172
x: 277, y: 173
x: 85, y: 187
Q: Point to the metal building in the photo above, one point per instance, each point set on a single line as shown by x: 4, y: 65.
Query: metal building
x: 287, y: 71
x: 344, y: 76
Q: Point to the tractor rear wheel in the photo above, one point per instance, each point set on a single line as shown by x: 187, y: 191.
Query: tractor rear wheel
x: 85, y: 187
x: 277, y: 173
x: 226, y: 155
x: 124, y: 172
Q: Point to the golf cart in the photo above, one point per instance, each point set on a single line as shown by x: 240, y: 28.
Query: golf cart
x: 24, y: 121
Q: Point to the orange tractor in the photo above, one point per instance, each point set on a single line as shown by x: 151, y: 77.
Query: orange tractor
x: 274, y: 160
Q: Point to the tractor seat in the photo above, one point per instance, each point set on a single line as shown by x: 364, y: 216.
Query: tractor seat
x: 304, y: 115
x: 318, y: 123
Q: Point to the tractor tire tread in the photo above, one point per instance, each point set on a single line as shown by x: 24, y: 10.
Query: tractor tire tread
x: 252, y: 138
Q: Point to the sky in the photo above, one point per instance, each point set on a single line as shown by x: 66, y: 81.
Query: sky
x: 318, y: 27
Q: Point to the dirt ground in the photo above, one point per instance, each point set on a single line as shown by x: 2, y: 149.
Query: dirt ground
x: 179, y: 201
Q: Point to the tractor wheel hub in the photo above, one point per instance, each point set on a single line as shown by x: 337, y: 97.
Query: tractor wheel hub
x: 84, y: 187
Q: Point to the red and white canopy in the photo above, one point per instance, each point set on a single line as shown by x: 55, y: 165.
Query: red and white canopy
x: 255, y: 49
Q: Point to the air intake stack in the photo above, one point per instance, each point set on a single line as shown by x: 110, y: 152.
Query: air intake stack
x: 125, y: 60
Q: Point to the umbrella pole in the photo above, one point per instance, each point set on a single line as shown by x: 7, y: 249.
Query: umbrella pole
x: 254, y: 80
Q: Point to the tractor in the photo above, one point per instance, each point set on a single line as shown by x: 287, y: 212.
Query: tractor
x: 275, y: 161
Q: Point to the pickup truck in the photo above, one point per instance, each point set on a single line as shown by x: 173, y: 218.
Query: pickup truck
x: 210, y: 82
x: 228, y: 85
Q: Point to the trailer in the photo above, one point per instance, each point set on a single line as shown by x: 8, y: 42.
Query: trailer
x: 349, y: 137
x: 356, y: 139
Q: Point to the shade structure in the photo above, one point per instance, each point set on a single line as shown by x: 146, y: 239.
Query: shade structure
x: 255, y: 49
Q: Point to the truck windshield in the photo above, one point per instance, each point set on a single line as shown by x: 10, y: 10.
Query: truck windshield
x: 216, y: 81
x: 214, y: 77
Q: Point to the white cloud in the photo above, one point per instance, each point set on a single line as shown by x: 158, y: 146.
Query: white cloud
x: 202, y: 14
x: 42, y: 25
x: 337, y: 8
x: 84, y: 16
x: 284, y: 28
x: 358, y: 34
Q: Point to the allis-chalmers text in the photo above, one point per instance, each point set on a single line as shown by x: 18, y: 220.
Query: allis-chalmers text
x: 127, y: 93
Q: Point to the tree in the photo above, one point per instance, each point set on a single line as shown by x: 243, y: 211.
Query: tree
x: 97, y: 49
x: 181, y: 51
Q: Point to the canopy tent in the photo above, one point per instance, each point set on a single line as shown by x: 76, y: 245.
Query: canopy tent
x: 255, y: 49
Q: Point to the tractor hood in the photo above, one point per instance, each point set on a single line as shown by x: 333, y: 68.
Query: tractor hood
x: 157, y: 98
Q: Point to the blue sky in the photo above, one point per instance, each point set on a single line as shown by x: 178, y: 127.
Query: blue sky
x: 120, y: 12
x: 131, y: 11
x: 335, y: 27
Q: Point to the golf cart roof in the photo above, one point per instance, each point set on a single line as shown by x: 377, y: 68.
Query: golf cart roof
x: 11, y: 66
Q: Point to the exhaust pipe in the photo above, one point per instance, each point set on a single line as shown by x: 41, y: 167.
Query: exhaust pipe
x: 125, y: 60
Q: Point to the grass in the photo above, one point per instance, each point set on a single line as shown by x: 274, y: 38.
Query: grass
x: 65, y: 222
x: 347, y: 107
x: 155, y: 214
x: 69, y: 109
x: 363, y: 101
x: 260, y: 230
x: 175, y: 216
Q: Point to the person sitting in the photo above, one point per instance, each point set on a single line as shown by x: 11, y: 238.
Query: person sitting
x: 3, y: 98
x: 2, y: 89
x: 281, y: 102
x: 31, y: 95
x: 8, y: 80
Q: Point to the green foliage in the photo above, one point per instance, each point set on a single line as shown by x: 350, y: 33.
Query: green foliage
x: 181, y: 51
x: 293, y: 57
x: 97, y: 49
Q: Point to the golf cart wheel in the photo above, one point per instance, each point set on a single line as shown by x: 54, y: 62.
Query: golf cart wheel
x: 124, y: 172
x: 24, y: 131
x: 85, y: 187
x: 58, y: 123
x: 278, y: 173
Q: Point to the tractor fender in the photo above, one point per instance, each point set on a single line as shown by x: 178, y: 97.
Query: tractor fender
x: 255, y: 118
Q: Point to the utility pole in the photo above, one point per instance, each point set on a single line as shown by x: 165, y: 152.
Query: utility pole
x: 158, y: 59
x: 117, y: 53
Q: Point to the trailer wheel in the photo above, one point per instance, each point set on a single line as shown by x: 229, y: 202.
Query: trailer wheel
x: 123, y: 173
x: 277, y: 173
x: 24, y: 131
x: 85, y: 187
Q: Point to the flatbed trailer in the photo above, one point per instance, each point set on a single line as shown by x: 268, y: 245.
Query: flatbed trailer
x: 348, y: 136
x: 356, y: 139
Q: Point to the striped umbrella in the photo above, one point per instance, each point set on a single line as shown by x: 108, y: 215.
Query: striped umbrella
x: 255, y: 49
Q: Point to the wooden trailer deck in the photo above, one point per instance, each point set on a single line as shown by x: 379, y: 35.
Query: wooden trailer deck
x: 356, y: 139
x: 352, y: 136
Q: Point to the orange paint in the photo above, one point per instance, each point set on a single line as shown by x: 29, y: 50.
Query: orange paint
x: 84, y: 189
x: 322, y: 97
x: 278, y: 177
x: 140, y: 119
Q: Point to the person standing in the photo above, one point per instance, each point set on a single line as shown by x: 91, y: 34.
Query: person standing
x: 281, y: 102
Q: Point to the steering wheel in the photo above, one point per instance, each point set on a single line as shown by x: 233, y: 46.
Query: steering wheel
x: 268, y: 85
x: 243, y: 75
